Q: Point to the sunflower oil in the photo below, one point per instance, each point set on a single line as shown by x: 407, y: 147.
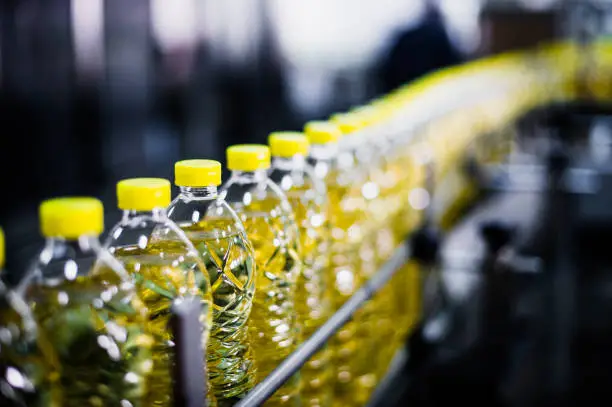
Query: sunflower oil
x: 408, y: 166
x: 268, y: 219
x: 374, y: 246
x: 403, y: 197
x: 344, y: 211
x: 307, y: 196
x: 384, y: 206
x: 165, y: 266
x: 409, y: 162
x: 219, y: 236
x: 90, y: 322
x: 406, y: 281
x: 19, y: 366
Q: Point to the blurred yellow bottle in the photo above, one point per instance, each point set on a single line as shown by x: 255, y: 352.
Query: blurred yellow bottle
x: 220, y: 238
x: 403, y: 191
x: 268, y: 218
x: 346, y: 213
x: 364, y: 142
x: 308, y: 198
x: 166, y: 267
x: 386, y: 211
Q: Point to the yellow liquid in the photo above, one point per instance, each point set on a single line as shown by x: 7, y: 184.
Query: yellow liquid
x: 164, y: 274
x: 375, y: 327
x: 230, y: 264
x: 377, y: 318
x: 407, y: 280
x: 415, y: 286
x: 346, y: 279
x: 405, y: 223
x: 313, y: 298
x: 395, y: 217
x: 501, y: 142
x: 273, y: 328
x: 95, y: 347
x: 387, y: 315
x: 18, y: 352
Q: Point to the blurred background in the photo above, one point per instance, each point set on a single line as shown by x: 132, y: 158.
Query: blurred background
x: 92, y: 91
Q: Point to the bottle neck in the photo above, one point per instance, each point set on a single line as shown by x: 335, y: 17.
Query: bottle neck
x: 204, y: 193
x: 251, y: 176
x: 324, y: 152
x: 85, y: 243
x: 65, y: 259
x: 297, y: 162
x: 157, y: 214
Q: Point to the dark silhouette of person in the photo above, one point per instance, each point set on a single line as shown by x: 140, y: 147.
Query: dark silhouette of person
x: 416, y: 51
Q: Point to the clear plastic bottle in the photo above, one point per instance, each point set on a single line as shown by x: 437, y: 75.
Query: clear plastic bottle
x: 308, y: 198
x: 404, y: 168
x: 373, y: 316
x: 270, y: 226
x: 413, y: 153
x: 166, y: 267
x: 90, y: 321
x: 219, y: 236
x: 346, y: 208
x: 18, y: 367
x: 382, y: 207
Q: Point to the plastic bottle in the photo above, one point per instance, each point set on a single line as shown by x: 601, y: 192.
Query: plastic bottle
x: 412, y: 154
x: 346, y: 207
x: 17, y: 340
x: 374, y: 317
x: 166, y: 267
x: 219, y: 236
x: 90, y: 321
x: 308, y: 198
x: 270, y: 226
x: 383, y: 206
x: 404, y: 169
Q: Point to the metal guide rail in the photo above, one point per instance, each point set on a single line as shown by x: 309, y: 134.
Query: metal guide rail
x: 190, y: 384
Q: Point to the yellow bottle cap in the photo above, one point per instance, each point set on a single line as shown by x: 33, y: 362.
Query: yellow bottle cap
x: 288, y: 143
x: 2, y: 250
x: 346, y: 122
x: 248, y: 157
x: 71, y: 217
x: 197, y: 173
x: 320, y: 132
x: 143, y: 194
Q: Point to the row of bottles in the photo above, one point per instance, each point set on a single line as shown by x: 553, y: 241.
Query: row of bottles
x: 92, y: 325
x: 271, y: 253
x: 100, y: 311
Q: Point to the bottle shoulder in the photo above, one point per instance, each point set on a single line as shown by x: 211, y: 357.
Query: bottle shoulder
x: 61, y: 261
x: 143, y: 231
x: 16, y: 315
x: 264, y: 209
x: 211, y: 218
x: 300, y: 181
x: 260, y: 198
